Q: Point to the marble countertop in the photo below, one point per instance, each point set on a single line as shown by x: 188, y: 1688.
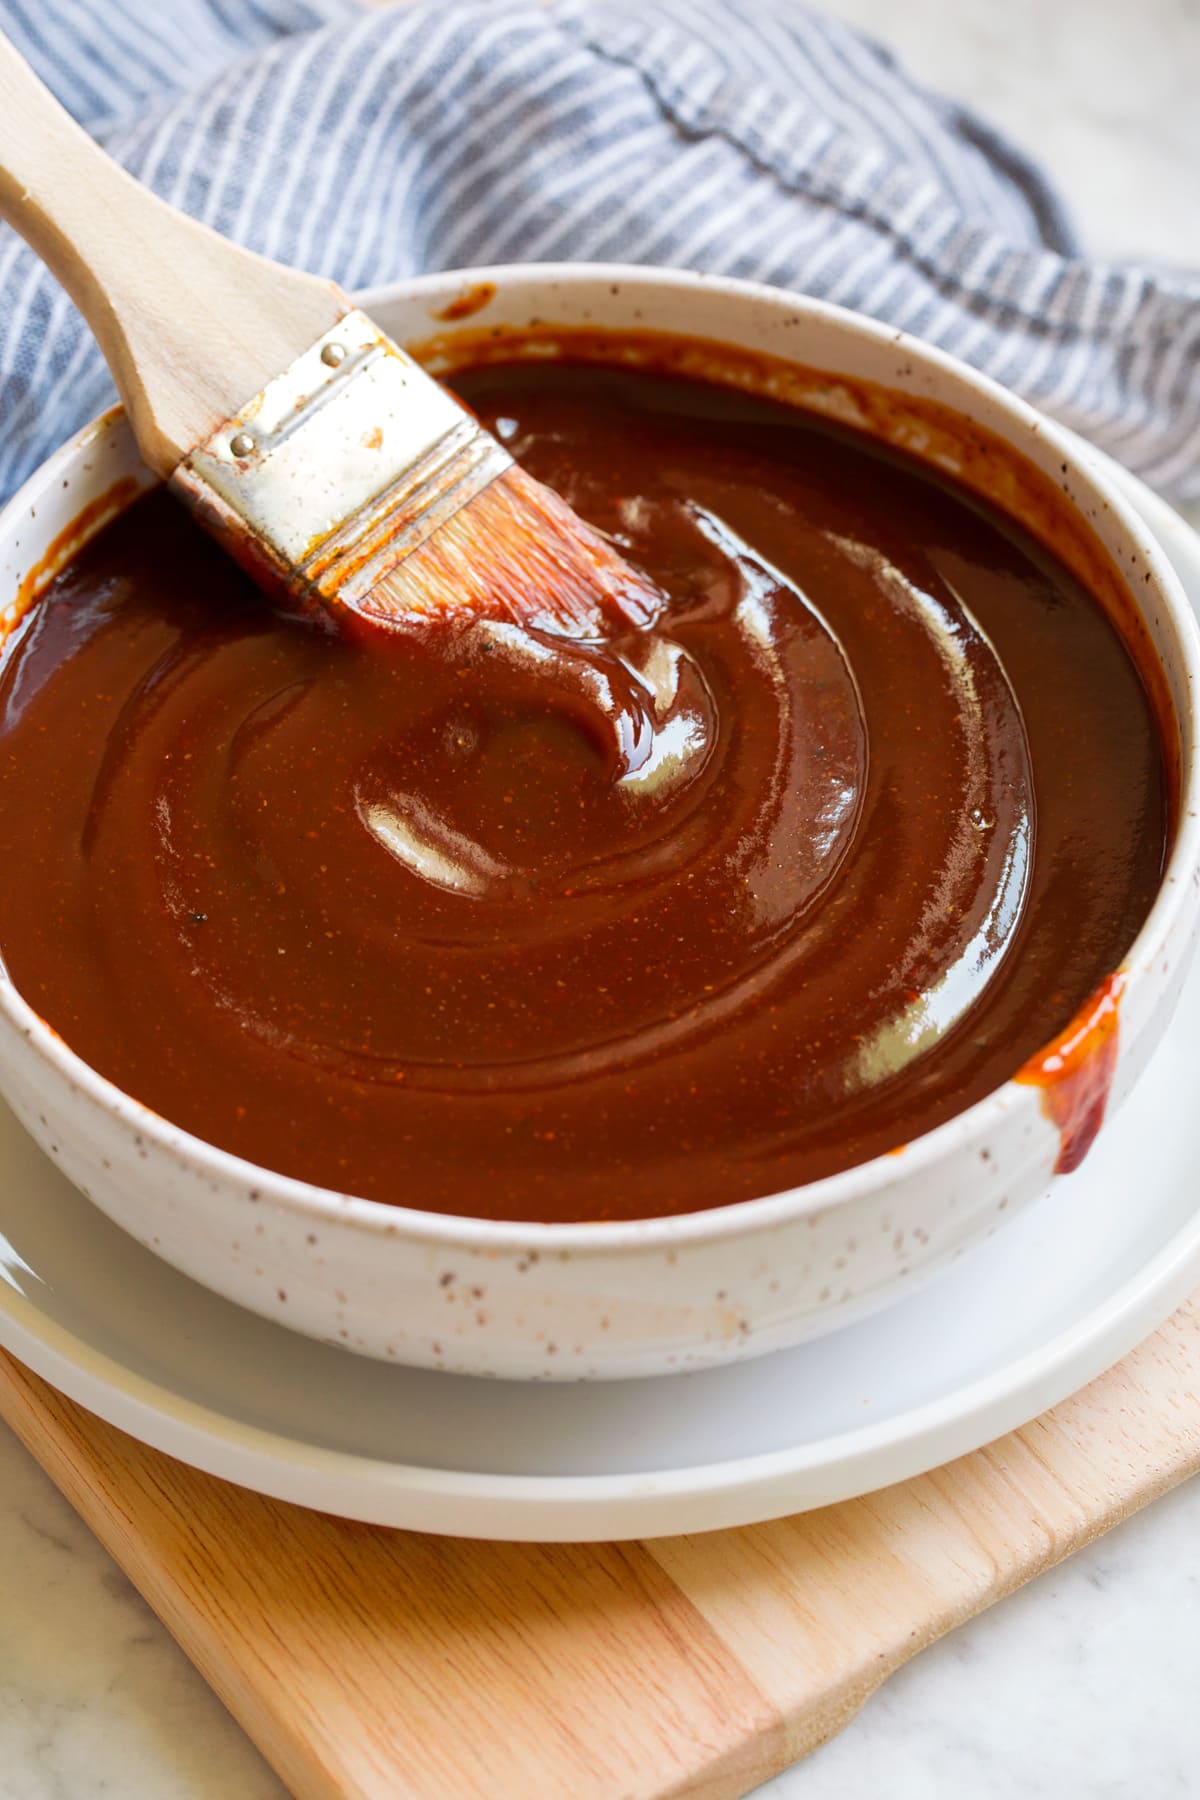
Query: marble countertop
x: 1082, y: 1686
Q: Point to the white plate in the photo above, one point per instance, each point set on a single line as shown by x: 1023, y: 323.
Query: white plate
x: 1059, y: 1295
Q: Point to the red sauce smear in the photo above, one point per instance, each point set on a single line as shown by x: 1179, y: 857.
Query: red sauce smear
x: 465, y: 305
x: 1075, y: 1073
x: 67, y: 544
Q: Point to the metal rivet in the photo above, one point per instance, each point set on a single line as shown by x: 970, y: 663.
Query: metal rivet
x: 242, y: 444
x: 333, y: 354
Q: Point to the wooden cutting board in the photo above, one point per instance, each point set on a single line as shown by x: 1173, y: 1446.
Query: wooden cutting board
x: 381, y: 1665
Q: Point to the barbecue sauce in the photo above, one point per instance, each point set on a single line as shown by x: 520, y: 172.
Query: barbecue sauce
x: 489, y: 922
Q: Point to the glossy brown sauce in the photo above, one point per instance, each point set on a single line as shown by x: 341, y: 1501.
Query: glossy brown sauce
x: 488, y: 922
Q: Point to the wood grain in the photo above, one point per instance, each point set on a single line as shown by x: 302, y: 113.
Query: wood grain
x: 383, y: 1665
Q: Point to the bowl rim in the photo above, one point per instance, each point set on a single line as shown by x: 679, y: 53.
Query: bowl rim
x: 1180, y: 875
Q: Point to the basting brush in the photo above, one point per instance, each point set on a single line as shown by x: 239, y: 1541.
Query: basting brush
x: 320, y: 454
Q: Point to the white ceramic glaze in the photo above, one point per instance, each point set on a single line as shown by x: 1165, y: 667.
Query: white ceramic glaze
x: 563, y: 1302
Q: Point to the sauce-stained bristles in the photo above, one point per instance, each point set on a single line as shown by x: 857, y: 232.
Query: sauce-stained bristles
x: 516, y: 551
x: 355, y: 487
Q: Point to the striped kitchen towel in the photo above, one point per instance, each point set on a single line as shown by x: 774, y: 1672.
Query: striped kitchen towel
x: 741, y: 137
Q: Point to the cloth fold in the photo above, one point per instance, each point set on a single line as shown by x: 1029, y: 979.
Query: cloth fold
x: 740, y: 137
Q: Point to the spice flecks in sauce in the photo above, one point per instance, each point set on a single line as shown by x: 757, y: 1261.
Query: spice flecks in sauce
x: 1075, y: 1073
x: 493, y: 922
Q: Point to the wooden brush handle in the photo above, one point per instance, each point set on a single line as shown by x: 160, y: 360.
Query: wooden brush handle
x: 191, y: 326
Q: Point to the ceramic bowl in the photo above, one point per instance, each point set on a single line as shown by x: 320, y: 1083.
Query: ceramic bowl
x: 606, y: 1300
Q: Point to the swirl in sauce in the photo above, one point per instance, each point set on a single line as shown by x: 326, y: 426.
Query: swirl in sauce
x: 492, y: 922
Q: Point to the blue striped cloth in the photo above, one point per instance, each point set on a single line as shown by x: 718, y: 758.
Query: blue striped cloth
x: 742, y: 137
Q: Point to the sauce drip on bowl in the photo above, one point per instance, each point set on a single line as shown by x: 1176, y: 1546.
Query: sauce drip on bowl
x: 488, y: 922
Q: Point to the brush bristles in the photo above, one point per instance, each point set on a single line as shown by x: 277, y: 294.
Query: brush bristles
x: 516, y: 551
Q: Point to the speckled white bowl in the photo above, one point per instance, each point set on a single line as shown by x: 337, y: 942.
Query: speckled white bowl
x: 539, y: 1301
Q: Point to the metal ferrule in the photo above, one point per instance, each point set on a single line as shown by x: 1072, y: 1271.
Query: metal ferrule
x: 339, y: 468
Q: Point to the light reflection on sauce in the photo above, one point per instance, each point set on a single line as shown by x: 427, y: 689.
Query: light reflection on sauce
x: 494, y: 922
